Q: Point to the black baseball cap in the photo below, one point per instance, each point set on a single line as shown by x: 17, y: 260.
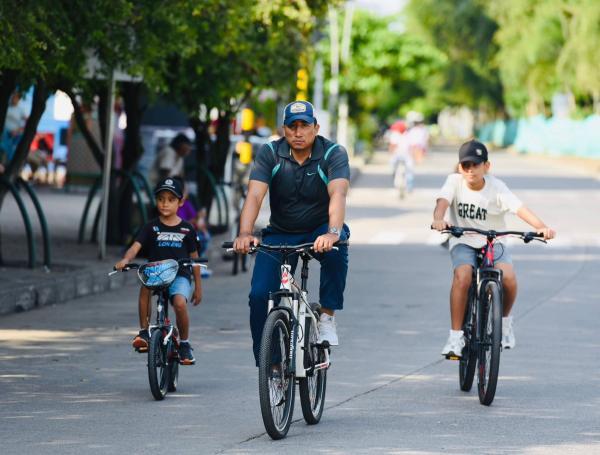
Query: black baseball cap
x: 170, y: 184
x: 472, y: 151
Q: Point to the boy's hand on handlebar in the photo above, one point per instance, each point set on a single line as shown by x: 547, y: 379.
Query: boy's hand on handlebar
x: 243, y: 242
x: 325, y: 242
x: 440, y: 225
x: 121, y: 264
x: 547, y: 233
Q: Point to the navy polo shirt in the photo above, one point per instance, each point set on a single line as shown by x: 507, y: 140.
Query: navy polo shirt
x: 298, y: 193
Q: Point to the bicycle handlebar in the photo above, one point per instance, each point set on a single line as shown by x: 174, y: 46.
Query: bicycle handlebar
x: 282, y: 248
x: 182, y: 262
x: 527, y: 237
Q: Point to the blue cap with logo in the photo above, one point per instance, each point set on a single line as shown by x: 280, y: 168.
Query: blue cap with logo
x: 299, y: 110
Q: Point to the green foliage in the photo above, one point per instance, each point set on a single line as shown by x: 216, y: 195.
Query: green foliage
x: 241, y: 46
x: 463, y: 32
x: 386, y: 71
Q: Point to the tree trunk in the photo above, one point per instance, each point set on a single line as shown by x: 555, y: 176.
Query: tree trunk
x: 222, y: 145
x: 8, y: 84
x: 203, y: 144
x: 123, y: 209
x: 132, y: 150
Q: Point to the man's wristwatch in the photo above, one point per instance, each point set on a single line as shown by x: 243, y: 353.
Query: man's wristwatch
x: 333, y: 230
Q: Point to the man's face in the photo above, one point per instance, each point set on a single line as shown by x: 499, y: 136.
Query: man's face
x: 300, y: 135
x: 184, y: 149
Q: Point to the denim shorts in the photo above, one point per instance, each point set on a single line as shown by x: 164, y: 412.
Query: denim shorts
x: 182, y: 286
x: 462, y: 254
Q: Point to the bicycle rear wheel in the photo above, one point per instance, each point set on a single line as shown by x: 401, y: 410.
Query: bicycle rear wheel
x: 489, y: 325
x: 468, y: 360
x: 312, y: 387
x: 276, y: 385
x: 158, y: 368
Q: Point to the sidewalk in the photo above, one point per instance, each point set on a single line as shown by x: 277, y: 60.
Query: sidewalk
x: 75, y: 268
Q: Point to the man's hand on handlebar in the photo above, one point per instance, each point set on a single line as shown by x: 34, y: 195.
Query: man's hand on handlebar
x: 325, y: 243
x: 243, y: 242
x: 440, y: 225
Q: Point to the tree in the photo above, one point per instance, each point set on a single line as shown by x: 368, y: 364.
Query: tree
x: 387, y: 70
x: 463, y: 31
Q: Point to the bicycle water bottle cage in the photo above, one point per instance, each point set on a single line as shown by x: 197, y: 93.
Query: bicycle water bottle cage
x: 159, y: 274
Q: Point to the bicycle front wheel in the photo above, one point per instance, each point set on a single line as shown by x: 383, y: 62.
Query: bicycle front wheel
x: 312, y: 387
x: 158, y: 367
x: 468, y: 360
x: 490, y: 337
x: 276, y: 385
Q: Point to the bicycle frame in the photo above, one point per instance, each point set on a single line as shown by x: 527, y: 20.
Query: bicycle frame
x: 162, y: 316
x: 293, y: 300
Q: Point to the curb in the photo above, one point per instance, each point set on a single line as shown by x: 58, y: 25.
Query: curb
x: 60, y: 289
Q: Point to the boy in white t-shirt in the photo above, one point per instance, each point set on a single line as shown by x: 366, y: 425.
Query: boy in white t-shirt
x: 478, y: 200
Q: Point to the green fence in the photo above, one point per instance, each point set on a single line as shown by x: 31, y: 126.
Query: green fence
x: 554, y: 136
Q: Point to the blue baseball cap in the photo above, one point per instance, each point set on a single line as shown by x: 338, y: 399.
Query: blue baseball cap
x: 299, y: 110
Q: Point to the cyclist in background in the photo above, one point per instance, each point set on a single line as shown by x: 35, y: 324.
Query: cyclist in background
x: 307, y: 177
x: 400, y: 153
x: 479, y: 200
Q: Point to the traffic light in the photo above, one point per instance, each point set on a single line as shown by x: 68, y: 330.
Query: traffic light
x: 302, y: 84
x: 247, y: 119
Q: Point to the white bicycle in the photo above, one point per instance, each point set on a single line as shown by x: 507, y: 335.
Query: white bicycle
x: 290, y: 350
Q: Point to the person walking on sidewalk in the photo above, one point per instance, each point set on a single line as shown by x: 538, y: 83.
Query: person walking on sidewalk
x: 168, y: 237
x: 307, y: 177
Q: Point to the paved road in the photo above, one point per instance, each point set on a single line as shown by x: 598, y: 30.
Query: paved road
x: 70, y: 383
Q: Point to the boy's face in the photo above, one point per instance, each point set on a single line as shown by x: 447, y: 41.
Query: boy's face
x: 167, y: 203
x: 474, y: 173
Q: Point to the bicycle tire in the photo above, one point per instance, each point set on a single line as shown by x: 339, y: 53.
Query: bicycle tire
x: 312, y: 388
x: 468, y: 360
x: 173, y: 367
x: 490, y: 338
x: 158, y: 370
x: 276, y: 410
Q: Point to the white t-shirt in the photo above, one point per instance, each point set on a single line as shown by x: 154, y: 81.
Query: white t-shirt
x: 483, y: 209
x: 169, y: 160
x: 16, y: 116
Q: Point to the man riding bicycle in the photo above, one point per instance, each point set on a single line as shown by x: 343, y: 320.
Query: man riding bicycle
x: 307, y: 177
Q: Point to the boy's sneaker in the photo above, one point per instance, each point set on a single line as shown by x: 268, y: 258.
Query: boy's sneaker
x: 508, y: 333
x: 454, y: 345
x: 327, y: 330
x: 205, y: 272
x: 141, y: 341
x: 186, y: 357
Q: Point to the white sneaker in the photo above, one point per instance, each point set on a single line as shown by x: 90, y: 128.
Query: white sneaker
x: 327, y: 330
x: 455, y: 344
x: 508, y: 333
